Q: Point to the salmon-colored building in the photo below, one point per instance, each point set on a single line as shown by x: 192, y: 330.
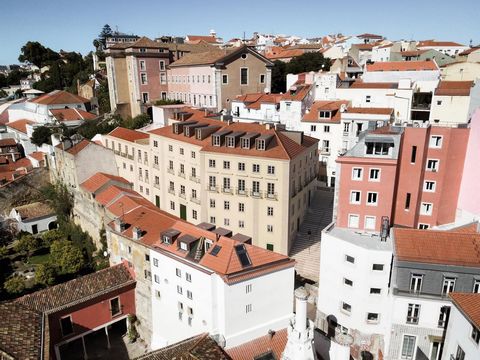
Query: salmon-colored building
x: 409, y: 176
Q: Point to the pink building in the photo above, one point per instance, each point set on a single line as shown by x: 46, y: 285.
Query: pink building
x: 411, y: 176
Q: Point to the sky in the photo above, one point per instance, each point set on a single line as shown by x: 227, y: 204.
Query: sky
x: 72, y: 25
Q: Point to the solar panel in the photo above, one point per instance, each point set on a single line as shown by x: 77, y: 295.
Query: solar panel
x: 216, y: 249
x: 242, y: 255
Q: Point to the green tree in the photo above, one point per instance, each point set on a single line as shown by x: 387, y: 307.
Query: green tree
x: 15, y: 285
x: 48, y: 237
x: 103, y: 98
x: 41, y: 135
x: 3, y: 251
x: 60, y: 199
x: 45, y: 274
x: 3, y: 81
x: 137, y: 122
x: 279, y: 77
x: 37, y: 54
x: 106, y: 32
x: 68, y: 257
x: 27, y: 244
x: 3, y: 94
x: 168, y: 102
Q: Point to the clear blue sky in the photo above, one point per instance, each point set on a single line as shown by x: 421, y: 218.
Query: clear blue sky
x: 72, y: 25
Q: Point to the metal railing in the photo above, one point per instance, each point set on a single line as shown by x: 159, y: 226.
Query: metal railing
x: 194, y: 179
x: 212, y: 188
x: 271, y: 196
x: 256, y: 194
x: 170, y: 171
x: 181, y: 174
x: 171, y: 191
x: 182, y: 195
x: 195, y: 200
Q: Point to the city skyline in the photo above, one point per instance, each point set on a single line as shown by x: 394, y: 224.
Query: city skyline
x: 77, y: 32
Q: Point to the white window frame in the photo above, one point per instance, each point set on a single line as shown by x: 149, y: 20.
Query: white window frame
x: 360, y: 178
x: 376, y: 198
x: 355, y: 202
x: 142, y: 82
x: 433, y: 187
x: 432, y: 169
x: 412, y: 356
x: 358, y: 221
x: 434, y: 139
x: 424, y: 211
x: 374, y: 222
x: 370, y: 175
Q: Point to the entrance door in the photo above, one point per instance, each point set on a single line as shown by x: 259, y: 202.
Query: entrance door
x: 157, y: 201
x: 183, y: 212
x: 436, y: 350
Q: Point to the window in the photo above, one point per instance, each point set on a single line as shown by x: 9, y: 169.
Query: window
x: 423, y: 226
x: 145, y: 97
x: 326, y: 128
x: 181, y: 151
x: 224, y: 79
x: 432, y: 165
x: 374, y: 175
x: 241, y: 186
x: 256, y: 188
x: 377, y: 267
x: 413, y: 156
x: 270, y: 189
x: 313, y: 128
x: 476, y: 286
x: 256, y: 168
x: 426, y: 208
x: 355, y: 197
x: 439, y: 102
x: 348, y: 282
x: 211, y: 163
x: 241, y: 224
x: 162, y: 65
x: 248, y: 308
x: 269, y: 228
x: 262, y: 78
x: 178, y: 272
x: 248, y: 288
x: 269, y: 211
x: 172, y: 205
x: 163, y: 80
x: 189, y: 294
x: 170, y: 147
x: 155, y: 262
x: 179, y: 289
x: 368, y: 98
x: 192, y: 154
x: 346, y: 307
x: 436, y: 141
x: 372, y: 198
x: 212, y: 220
x: 460, y: 355
x: 244, y: 76
x: 212, y: 203
x: 475, y: 334
x: 413, y: 313
x: 156, y: 278
x: 407, y: 201
x: 226, y: 165
x: 188, y: 276
x: 408, y: 347
x: 241, y: 166
x: 350, y: 259
x: 373, y: 317
x: 375, y: 291
x: 115, y: 308
x: 226, y: 205
x: 370, y: 222
x: 429, y: 186
x: 346, y: 127
x: 271, y: 170
x: 241, y: 207
x: 353, y: 221
x: 194, y: 214
x: 212, y: 182
x: 66, y: 325
x: 448, y: 285
x: 442, y: 318
x: 143, y: 78
x: 416, y: 283
x: 357, y: 173
x: 270, y: 247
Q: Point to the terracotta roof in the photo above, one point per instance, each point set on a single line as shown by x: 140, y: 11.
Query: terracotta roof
x: 358, y: 84
x: 412, y: 53
x: 454, y: 88
x: 143, y: 42
x: 34, y: 210
x: 385, y: 46
x: 364, y: 46
x: 95, y: 182
x: 402, y: 66
x: 469, y: 51
x: 285, y: 54
x: 254, y: 101
x: 79, y: 289
x: 208, y: 38
x: 20, y: 332
x: 384, y: 130
x: 75, y: 149
x: 433, y: 43
x: 59, y: 97
x: 332, y: 106
x: 469, y: 305
x: 127, y: 134
x: 113, y: 192
x: 72, y: 114
x: 374, y: 111
x: 438, y: 247
x: 20, y: 125
x: 263, y: 345
x: 200, y: 347
x: 7, y: 142
x: 298, y: 91
x: 37, y: 155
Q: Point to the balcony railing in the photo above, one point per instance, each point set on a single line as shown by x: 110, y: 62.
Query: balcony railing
x: 182, y: 195
x: 181, y: 174
x: 420, y: 106
x: 171, y: 191
x: 140, y: 178
x: 412, y: 320
x: 171, y: 171
x: 194, y: 179
x: 242, y: 192
x: 271, y: 196
x: 116, y: 152
x: 195, y: 200
x: 325, y: 151
x: 139, y: 160
x: 130, y: 157
x: 155, y: 166
x: 256, y: 194
x: 156, y: 185
x: 212, y: 188
x: 123, y: 154
x: 227, y: 190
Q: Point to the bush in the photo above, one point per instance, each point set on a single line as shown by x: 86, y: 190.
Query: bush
x: 68, y: 257
x: 27, y: 244
x: 45, y: 274
x: 168, y: 102
x: 41, y: 135
x: 15, y: 285
x: 50, y: 236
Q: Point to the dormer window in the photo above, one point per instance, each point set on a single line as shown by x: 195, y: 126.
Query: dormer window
x: 183, y: 246
x: 142, y: 50
x: 166, y: 239
x: 324, y: 114
x: 216, y: 140
x: 260, y: 144
x: 245, y: 143
x: 230, y: 141
x: 378, y: 148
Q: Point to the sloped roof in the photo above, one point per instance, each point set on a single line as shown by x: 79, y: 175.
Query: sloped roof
x: 370, y: 110
x: 128, y: 134
x: 369, y: 36
x: 59, y: 97
x: 79, y: 289
x: 7, y: 142
x: 438, y: 43
x: 143, y: 42
x: 412, y: 53
x: 437, y: 247
x: 469, y: 305
x: 261, y: 345
x: 454, y: 88
x: 358, y: 84
x: 285, y: 54
x: 20, y: 125
x: 96, y: 181
x: 298, y: 91
x: 72, y: 114
x: 254, y: 101
x: 200, y: 347
x: 402, y: 66
x: 207, y: 38
x: 112, y: 192
x: 34, y: 210
x: 332, y: 106
x: 75, y: 149
x: 469, y: 51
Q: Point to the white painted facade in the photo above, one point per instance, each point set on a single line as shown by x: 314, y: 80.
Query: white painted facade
x: 34, y: 225
x: 447, y: 50
x: 268, y: 112
x: 396, y: 76
x: 38, y: 113
x: 326, y: 86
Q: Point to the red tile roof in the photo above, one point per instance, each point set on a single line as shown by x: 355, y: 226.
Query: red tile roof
x: 412, y: 53
x: 285, y: 54
x: 34, y: 210
x: 364, y: 46
x: 207, y: 38
x: 95, y: 182
x: 72, y: 114
x: 37, y: 155
x: 250, y: 350
x: 402, y: 66
x: 113, y: 192
x: 369, y: 110
x: 469, y: 51
x: 20, y: 125
x: 7, y: 142
x: 254, y: 101
x: 438, y: 247
x: 369, y: 36
x: 358, y: 84
x: 332, y: 106
x: 128, y: 135
x: 469, y: 305
x: 59, y: 97
x: 433, y: 43
x: 75, y: 149
x: 298, y: 91
x: 454, y: 88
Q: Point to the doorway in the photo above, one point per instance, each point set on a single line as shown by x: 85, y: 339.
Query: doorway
x: 183, y: 212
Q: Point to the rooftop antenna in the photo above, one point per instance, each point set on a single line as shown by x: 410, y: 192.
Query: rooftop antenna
x: 244, y: 38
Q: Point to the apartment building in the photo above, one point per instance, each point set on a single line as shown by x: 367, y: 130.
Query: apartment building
x: 197, y: 280
x: 257, y: 108
x: 250, y: 178
x: 463, y: 331
x: 447, y: 47
x: 214, y: 78
x: 137, y: 75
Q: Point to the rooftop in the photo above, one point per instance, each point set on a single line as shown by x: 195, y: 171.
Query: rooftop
x: 75, y: 149
x: 454, y: 88
x: 453, y: 247
x: 427, y: 65
x: 59, y: 97
x: 34, y: 210
x: 72, y: 114
x: 369, y: 110
x: 128, y: 135
x: 358, y: 84
x: 95, y: 182
x: 7, y: 142
x: 332, y: 107
x: 363, y: 239
x: 20, y: 125
x: 469, y: 305
x: 432, y: 43
x: 263, y: 345
x: 254, y: 101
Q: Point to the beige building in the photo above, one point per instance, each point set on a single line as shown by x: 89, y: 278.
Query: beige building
x: 248, y: 178
x: 461, y: 71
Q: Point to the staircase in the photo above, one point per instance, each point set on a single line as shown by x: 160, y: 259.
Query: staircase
x: 306, y: 248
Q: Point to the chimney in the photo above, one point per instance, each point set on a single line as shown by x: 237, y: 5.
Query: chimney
x: 119, y: 225
x: 136, y: 233
x: 301, y: 296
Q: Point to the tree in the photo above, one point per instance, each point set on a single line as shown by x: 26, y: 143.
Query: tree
x: 37, y: 54
x: 137, y: 122
x: 15, y: 285
x: 68, y: 257
x: 49, y: 237
x: 106, y: 32
x: 41, y: 135
x: 3, y: 94
x: 27, y: 244
x: 168, y: 102
x: 103, y: 98
x: 279, y: 75
x: 60, y: 199
x: 45, y: 274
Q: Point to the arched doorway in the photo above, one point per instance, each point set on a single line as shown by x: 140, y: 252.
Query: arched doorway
x: 52, y: 225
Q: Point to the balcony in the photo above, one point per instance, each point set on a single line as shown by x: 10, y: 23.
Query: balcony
x: 123, y: 155
x: 116, y: 152
x: 156, y: 185
x: 212, y: 188
x: 256, y: 194
x: 170, y: 171
x: 325, y: 151
x: 242, y: 192
x: 195, y: 200
x: 194, y: 179
x: 145, y: 162
x: 412, y: 320
x: 227, y: 190
x: 130, y: 157
x: 182, y: 195
x: 171, y: 191
x: 155, y: 166
x: 140, y: 178
x: 139, y: 160
x: 272, y: 196
x: 181, y: 174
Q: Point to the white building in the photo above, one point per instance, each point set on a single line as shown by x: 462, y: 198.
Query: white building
x: 34, y: 218
x: 257, y: 108
x: 447, y: 47
x: 463, y: 331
